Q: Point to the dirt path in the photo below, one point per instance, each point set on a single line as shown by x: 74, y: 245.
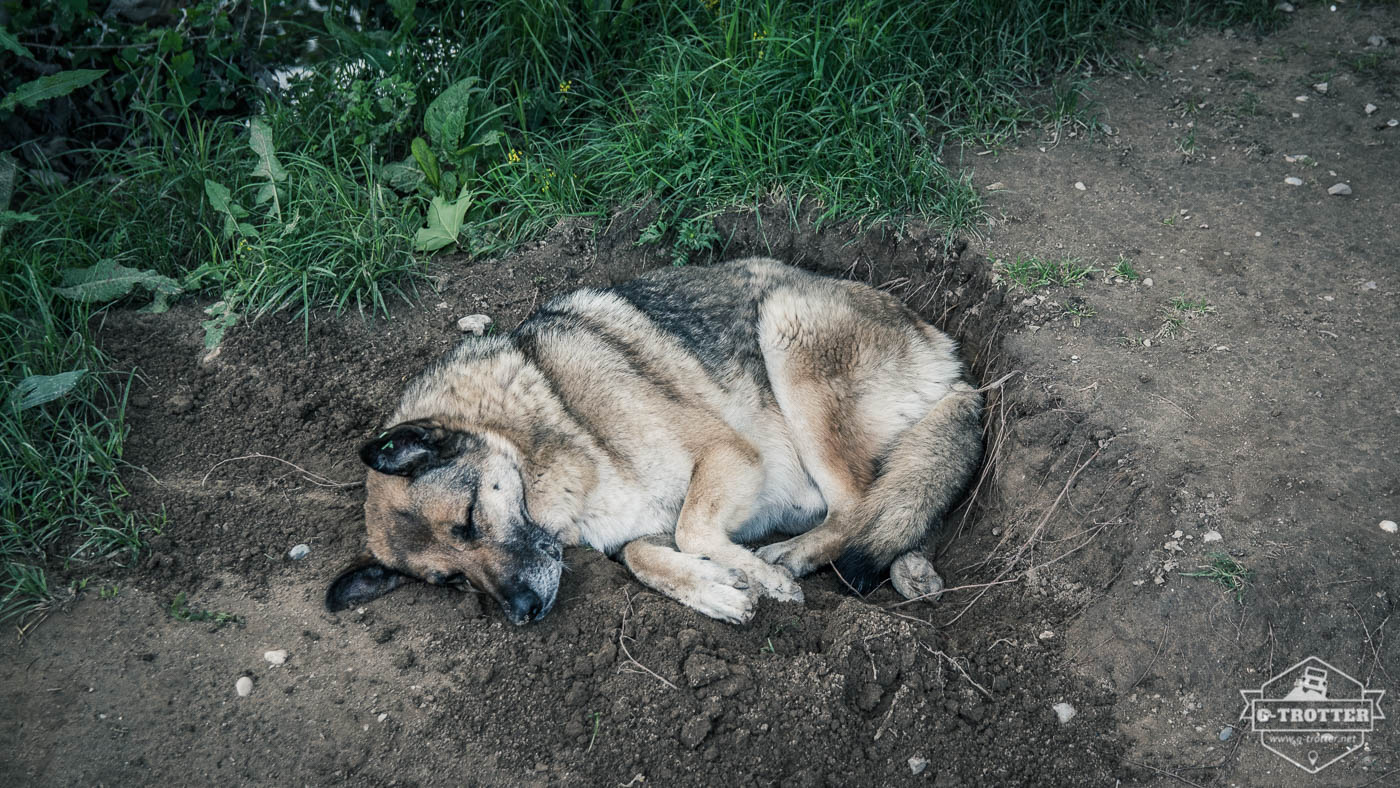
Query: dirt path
x: 1132, y: 436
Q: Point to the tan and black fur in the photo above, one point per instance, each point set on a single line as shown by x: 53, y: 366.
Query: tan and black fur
x: 669, y: 420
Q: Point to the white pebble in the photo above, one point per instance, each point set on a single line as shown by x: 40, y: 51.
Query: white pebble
x: 917, y: 764
x: 996, y: 187
x: 1212, y: 536
x: 1293, y: 181
x: 1320, y: 87
x: 384, y: 716
x: 1047, y: 635
x: 244, y: 686
x: 299, y: 552
x: 1375, y: 41
x: 1339, y: 189
x: 1287, y: 8
x: 1147, y: 282
x: 1301, y: 99
x: 1388, y: 526
x: 1080, y: 185
x: 1064, y: 711
x: 1393, y: 122
x: 1371, y: 109
x: 474, y: 324
x: 276, y: 657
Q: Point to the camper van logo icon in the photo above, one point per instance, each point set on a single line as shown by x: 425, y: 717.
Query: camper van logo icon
x: 1312, y: 714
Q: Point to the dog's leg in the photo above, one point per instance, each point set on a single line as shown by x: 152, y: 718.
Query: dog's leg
x: 716, y: 590
x: 724, y: 484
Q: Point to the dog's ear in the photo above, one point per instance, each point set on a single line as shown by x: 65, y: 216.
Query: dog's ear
x: 410, y: 448
x: 362, y: 581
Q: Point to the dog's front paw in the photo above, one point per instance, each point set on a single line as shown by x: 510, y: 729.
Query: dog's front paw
x: 721, y: 593
x: 913, y: 576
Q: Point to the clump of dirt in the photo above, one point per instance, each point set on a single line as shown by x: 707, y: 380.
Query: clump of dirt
x: 1130, y: 440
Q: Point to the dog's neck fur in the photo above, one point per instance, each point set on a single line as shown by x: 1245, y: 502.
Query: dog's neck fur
x: 491, y: 390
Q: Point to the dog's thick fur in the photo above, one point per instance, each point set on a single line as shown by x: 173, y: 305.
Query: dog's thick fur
x: 670, y: 419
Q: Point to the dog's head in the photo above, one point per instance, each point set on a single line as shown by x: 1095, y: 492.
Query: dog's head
x: 448, y: 507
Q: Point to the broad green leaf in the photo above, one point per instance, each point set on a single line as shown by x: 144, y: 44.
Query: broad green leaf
x: 444, y: 220
x: 427, y: 162
x: 446, y: 118
x: 402, y: 175
x: 9, y: 42
x: 260, y: 140
x: 108, y: 280
x: 221, y: 319
x: 37, y: 389
x: 220, y: 197
x: 52, y: 86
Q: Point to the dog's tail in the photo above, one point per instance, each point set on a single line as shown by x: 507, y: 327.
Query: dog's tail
x: 923, y: 475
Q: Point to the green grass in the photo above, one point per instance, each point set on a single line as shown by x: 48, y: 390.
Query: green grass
x: 1225, y: 572
x: 180, y: 611
x: 576, y: 109
x: 1031, y: 273
x: 1124, y: 269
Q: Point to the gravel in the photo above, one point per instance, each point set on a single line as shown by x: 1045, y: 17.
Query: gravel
x: 1389, y: 526
x: 244, y: 687
x: 1339, y: 190
x: 276, y: 657
x: 1293, y: 181
x: 474, y: 324
x: 917, y: 764
x: 1064, y: 711
x: 299, y: 552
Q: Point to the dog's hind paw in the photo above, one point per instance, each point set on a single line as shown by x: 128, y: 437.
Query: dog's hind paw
x: 913, y: 576
x: 801, y: 554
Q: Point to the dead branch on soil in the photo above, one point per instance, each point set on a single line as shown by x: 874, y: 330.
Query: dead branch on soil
x: 951, y: 661
x: 1031, y: 540
x: 311, y: 476
x: 1165, y: 773
x: 622, y: 639
x: 1371, y: 643
x: 1161, y: 644
x: 889, y: 715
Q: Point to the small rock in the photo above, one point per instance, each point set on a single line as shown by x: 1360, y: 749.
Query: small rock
x: 1393, y: 122
x: 1293, y: 181
x: 181, y: 404
x: 1301, y: 99
x: 1339, y: 189
x: 276, y: 657
x: 1388, y: 526
x: 299, y: 552
x: 474, y: 324
x: 1080, y: 185
x: 1064, y: 711
x: 1287, y: 8
x: 996, y: 187
x: 917, y: 764
x: 1226, y: 732
x: 1147, y: 282
x: 1047, y: 635
x: 383, y: 716
x: 1375, y: 41
x: 702, y: 669
x: 1212, y: 536
x: 244, y: 686
x: 1371, y: 109
x: 1320, y: 87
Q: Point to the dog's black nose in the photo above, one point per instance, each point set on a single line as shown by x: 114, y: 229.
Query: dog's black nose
x: 523, y: 606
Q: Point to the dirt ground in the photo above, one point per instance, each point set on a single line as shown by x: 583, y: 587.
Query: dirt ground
x: 1131, y: 442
